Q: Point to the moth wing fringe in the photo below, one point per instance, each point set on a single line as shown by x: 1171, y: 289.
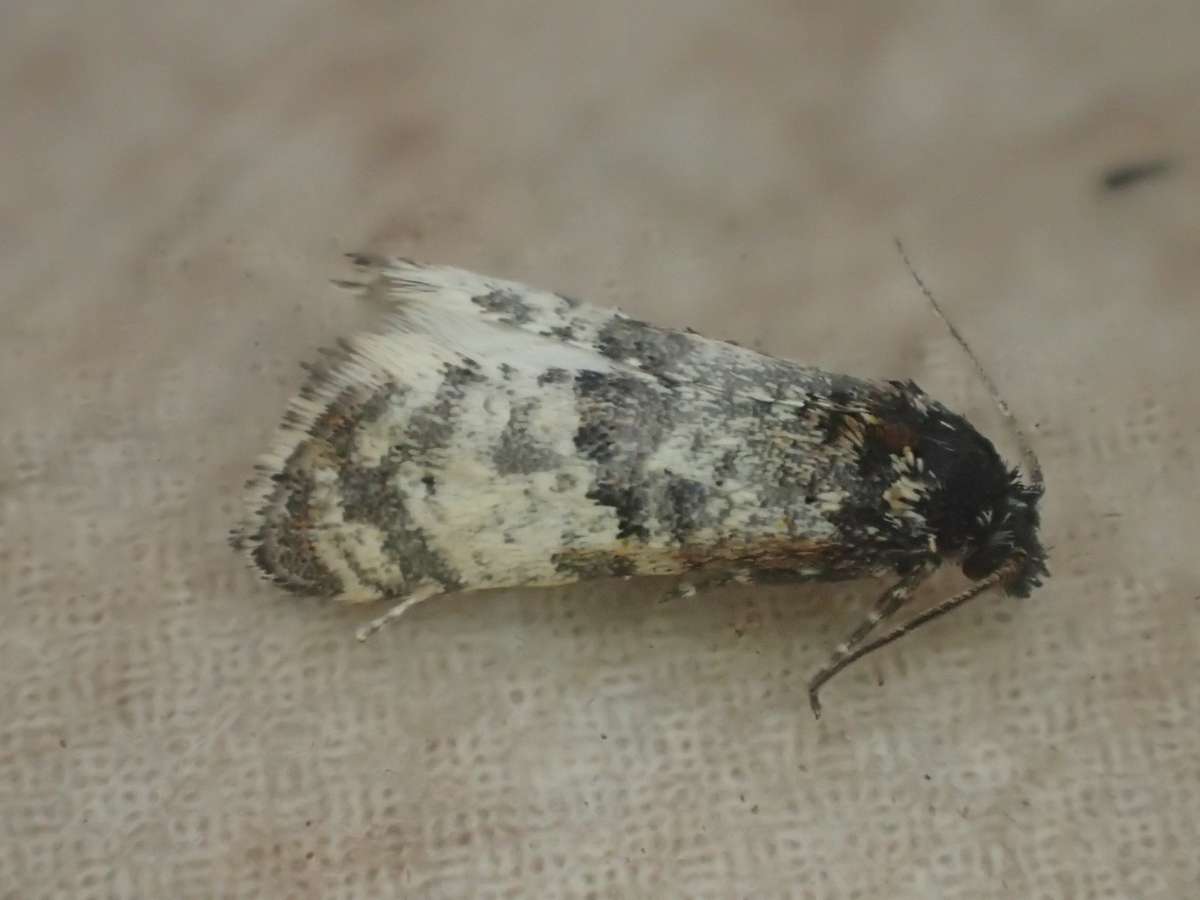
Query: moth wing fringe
x: 344, y: 368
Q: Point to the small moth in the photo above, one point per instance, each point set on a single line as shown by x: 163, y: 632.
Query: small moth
x: 493, y: 435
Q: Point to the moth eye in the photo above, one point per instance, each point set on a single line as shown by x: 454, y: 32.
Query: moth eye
x: 983, y: 560
x: 979, y: 564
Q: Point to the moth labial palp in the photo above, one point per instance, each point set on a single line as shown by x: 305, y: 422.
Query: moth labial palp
x: 495, y: 435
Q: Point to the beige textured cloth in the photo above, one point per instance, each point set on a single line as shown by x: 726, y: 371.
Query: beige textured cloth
x: 177, y: 183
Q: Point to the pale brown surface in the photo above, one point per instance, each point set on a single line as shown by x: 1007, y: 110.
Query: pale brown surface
x: 178, y: 181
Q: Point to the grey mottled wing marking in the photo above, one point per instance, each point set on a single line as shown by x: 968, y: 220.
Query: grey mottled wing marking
x: 429, y: 297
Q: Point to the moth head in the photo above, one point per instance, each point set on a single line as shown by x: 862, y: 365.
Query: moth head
x: 1005, y: 530
x: 981, y: 512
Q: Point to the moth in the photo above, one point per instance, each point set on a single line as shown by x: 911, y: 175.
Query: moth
x: 494, y: 435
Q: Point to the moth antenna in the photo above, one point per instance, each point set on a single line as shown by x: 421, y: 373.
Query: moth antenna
x: 1031, y: 460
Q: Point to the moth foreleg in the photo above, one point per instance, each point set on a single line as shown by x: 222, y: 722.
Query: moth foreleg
x: 693, y: 584
x: 887, y: 604
x: 844, y: 657
x: 421, y: 594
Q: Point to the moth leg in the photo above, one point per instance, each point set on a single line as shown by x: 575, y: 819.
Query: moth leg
x: 887, y: 604
x: 1005, y: 572
x: 689, y: 587
x: 421, y: 594
x: 685, y: 590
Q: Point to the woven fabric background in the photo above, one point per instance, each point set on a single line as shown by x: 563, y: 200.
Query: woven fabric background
x: 177, y: 184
